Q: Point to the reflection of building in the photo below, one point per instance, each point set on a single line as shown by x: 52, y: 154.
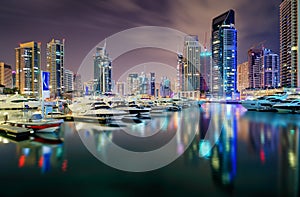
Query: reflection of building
x: 242, y: 76
x: 289, y: 44
x: 55, y: 66
x: 5, y: 75
x: 39, y: 155
x: 102, y: 71
x: 224, y: 55
x: 68, y: 80
x: 28, y: 65
x: 224, y: 154
x: 289, y: 161
x: 191, y: 69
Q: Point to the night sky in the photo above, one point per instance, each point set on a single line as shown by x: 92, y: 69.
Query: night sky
x: 85, y: 23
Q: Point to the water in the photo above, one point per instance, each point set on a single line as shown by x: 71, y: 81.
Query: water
x: 255, y: 153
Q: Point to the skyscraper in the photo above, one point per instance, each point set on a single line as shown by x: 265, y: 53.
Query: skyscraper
x: 102, y: 71
x: 224, y: 55
x: 264, y: 71
x: 152, y: 84
x: 28, y: 65
x: 68, y: 80
x: 120, y: 88
x: 289, y: 43
x: 5, y: 75
x: 270, y: 69
x: 254, y: 55
x: 55, y: 66
x: 191, y: 69
x: 132, y: 83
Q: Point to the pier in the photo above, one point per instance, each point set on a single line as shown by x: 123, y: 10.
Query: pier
x: 17, y: 133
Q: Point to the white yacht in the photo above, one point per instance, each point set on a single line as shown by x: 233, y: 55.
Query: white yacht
x: 13, y: 102
x: 288, y: 106
x: 264, y: 103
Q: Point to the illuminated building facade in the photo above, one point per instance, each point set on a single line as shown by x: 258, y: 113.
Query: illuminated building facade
x: 28, y: 65
x: 165, y: 87
x: 102, y: 71
x: 120, y: 88
x: 242, y: 76
x: 68, y: 80
x: 264, y: 70
x: 5, y: 75
x: 205, y: 76
x: 132, y: 83
x: 224, y: 55
x: 55, y: 66
x: 152, y: 84
x: 191, y: 68
x: 289, y: 44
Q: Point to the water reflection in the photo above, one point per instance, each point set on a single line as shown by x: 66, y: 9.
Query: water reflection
x: 43, y: 151
x: 163, y: 139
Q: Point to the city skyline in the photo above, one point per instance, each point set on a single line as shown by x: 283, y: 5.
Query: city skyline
x: 85, y: 25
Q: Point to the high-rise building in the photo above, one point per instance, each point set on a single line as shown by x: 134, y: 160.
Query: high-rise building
x: 191, y: 68
x: 289, y: 44
x: 205, y: 77
x: 270, y: 69
x: 165, y: 87
x: 13, y: 74
x: 28, y: 66
x: 243, y: 76
x: 143, y: 82
x: 152, y: 84
x: 180, y: 72
x: 5, y: 75
x: 102, y: 71
x: 55, y: 66
x: 132, y: 84
x: 264, y: 71
x: 224, y: 55
x: 120, y: 88
x: 68, y: 80
x: 254, y: 56
x: 78, y: 86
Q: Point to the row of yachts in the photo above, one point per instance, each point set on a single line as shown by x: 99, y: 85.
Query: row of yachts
x: 281, y: 102
x: 119, y: 108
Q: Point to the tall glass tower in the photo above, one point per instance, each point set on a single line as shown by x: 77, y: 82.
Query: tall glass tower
x: 102, y: 71
x: 224, y: 55
x: 55, y: 66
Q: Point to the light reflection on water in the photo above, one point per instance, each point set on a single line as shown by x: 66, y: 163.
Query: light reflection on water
x: 255, y: 152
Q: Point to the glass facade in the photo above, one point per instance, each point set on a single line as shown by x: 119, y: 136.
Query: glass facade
x: 224, y: 55
x: 28, y: 64
x: 102, y: 71
x: 55, y: 65
x: 289, y: 62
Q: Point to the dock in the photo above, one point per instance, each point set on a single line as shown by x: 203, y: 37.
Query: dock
x: 17, y: 133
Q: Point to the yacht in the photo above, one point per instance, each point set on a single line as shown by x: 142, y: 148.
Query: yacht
x: 288, y: 106
x: 264, y: 103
